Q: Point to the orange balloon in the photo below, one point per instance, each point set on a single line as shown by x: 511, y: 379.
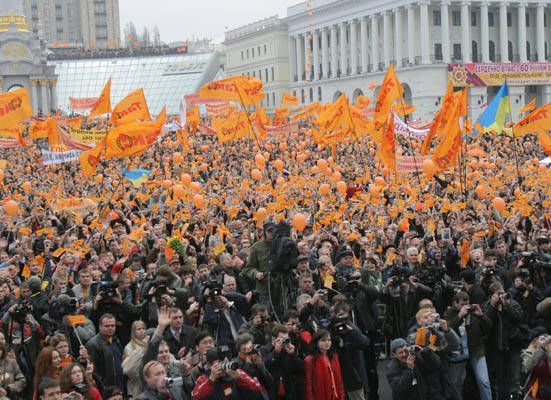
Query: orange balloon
x: 195, y: 186
x: 480, y: 191
x: 517, y: 192
x: 299, y: 222
x: 322, y: 164
x: 429, y: 167
x: 337, y: 176
x: 256, y: 174
x: 261, y: 215
x: 178, y: 191
x: 341, y: 187
x: 404, y: 225
x: 315, y: 170
x: 278, y: 164
x: 11, y: 207
x: 186, y: 179
x: 204, y: 147
x: 499, y: 204
x: 198, y: 201
x: 324, y: 188
x: 259, y: 160
x: 26, y: 187
x: 380, y: 181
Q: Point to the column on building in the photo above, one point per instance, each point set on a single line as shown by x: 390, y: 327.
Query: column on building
x: 334, y: 55
x: 398, y: 37
x: 522, y: 32
x: 307, y: 59
x: 53, y: 93
x: 343, y: 56
x: 34, y: 95
x: 293, y: 57
x: 300, y: 58
x: 484, y: 32
x: 445, y: 30
x: 315, y: 53
x: 465, y: 32
x: 424, y: 13
x: 44, y: 96
x: 363, y: 43
x: 540, y: 31
x: 503, y: 33
x: 387, y: 38
x: 353, y: 47
x: 324, y: 53
x: 411, y: 33
x: 375, y: 41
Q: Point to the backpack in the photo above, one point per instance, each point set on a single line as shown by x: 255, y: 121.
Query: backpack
x: 284, y: 250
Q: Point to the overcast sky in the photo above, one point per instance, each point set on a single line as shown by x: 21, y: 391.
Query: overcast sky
x: 182, y: 19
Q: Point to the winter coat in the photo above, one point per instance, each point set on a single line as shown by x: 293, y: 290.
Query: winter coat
x: 318, y: 381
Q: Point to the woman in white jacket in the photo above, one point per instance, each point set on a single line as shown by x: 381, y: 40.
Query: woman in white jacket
x: 133, y: 354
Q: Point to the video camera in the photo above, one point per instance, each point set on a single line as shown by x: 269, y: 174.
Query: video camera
x: 171, y: 382
x: 222, y: 353
x: 398, y: 277
x: 63, y: 305
x: 339, y: 328
x: 531, y: 261
x: 214, y: 287
x: 107, y: 290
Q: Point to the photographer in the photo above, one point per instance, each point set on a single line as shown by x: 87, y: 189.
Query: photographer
x: 12, y: 380
x: 259, y: 326
x: 223, y: 380
x: 504, y: 341
x: 536, y: 362
x: 472, y: 326
x: 249, y: 359
x: 154, y: 375
x: 74, y: 378
x: 286, y: 368
x: 524, y: 293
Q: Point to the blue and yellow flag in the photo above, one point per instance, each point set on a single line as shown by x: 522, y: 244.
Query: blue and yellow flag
x: 137, y: 176
x: 493, y: 118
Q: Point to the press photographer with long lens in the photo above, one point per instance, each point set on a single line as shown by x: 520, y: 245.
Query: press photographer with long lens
x: 224, y: 380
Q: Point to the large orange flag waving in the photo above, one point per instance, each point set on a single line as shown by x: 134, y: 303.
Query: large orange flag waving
x: 391, y: 91
x: 131, y: 109
x: 289, y: 100
x: 242, y: 89
x: 545, y: 141
x: 537, y: 121
x: 133, y: 138
x: 90, y: 159
x: 236, y: 126
x: 445, y: 155
x: 103, y: 105
x: 446, y: 104
x: 14, y: 107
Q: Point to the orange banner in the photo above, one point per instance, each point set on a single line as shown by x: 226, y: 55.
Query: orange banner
x: 90, y: 159
x: 84, y: 104
x: 14, y: 107
x: 103, y: 105
x: 537, y: 121
x: 131, y: 109
x: 242, y: 89
x: 289, y: 100
x: 234, y: 127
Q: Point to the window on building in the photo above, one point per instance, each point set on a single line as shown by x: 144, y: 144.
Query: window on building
x: 510, y: 50
x: 438, y: 52
x: 273, y: 78
x: 509, y: 20
x: 319, y: 93
x: 436, y: 18
x: 528, y: 52
x: 491, y: 19
x: 302, y: 96
x: 474, y: 50
x: 311, y: 95
x: 260, y: 74
x: 456, y: 18
x: 254, y: 76
x: 527, y: 20
x: 473, y: 18
x: 492, y: 50
x: 266, y: 76
x: 457, y: 51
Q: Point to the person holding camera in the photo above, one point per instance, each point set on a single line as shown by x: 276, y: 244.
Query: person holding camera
x: 472, y: 326
x: 249, y: 359
x: 12, y: 380
x: 156, y: 382
x: 286, y: 368
x: 223, y: 380
x: 524, y: 293
x: 259, y: 325
x: 75, y: 378
x: 504, y: 341
x: 536, y: 363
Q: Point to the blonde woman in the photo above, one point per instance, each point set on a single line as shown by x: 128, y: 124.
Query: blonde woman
x: 536, y: 362
x: 133, y: 354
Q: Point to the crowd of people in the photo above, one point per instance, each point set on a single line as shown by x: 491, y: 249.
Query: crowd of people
x: 132, y: 51
x: 201, y: 283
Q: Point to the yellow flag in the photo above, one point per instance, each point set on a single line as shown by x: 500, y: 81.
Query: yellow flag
x: 259, y: 118
x: 133, y: 138
x: 234, y: 127
x: 289, y: 100
x: 103, y: 105
x: 14, y: 107
x: 387, y: 149
x: 242, y: 89
x: 537, y: 121
x: 391, y: 91
x: 131, y: 109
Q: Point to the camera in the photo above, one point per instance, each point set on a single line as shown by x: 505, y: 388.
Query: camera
x: 229, y: 365
x: 179, y: 381
x: 472, y: 307
x: 214, y: 287
x: 504, y: 296
x: 20, y: 311
x: 286, y: 341
x: 108, y: 290
x: 398, y: 277
x: 414, y: 349
x: 255, y: 350
x: 80, y: 388
x: 63, y: 305
x: 487, y: 273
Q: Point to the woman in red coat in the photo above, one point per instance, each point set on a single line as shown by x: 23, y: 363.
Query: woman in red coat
x: 322, y: 371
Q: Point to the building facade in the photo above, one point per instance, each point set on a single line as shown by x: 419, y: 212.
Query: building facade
x: 75, y: 23
x: 261, y: 50
x: 23, y: 59
x: 347, y: 45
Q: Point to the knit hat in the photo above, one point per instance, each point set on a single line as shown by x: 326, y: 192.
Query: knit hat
x: 396, y: 344
x: 468, y: 276
x: 343, y: 252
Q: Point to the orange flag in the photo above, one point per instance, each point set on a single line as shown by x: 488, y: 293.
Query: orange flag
x: 391, y: 91
x: 464, y: 253
x: 259, y: 118
x: 133, y: 138
x: 403, y: 110
x: 537, y: 121
x: 336, y: 117
x: 289, y: 100
x: 387, y: 149
x: 53, y: 136
x: 90, y: 159
x: 545, y: 141
x: 74, y: 123
x: 41, y: 130
x: 241, y: 89
x: 445, y: 155
x: 193, y: 118
x: 14, y: 107
x: 103, y: 105
x: 535, y: 388
x: 446, y: 103
x: 234, y: 127
x: 75, y: 320
x: 14, y: 133
x: 528, y: 107
x: 362, y: 101
x: 131, y: 109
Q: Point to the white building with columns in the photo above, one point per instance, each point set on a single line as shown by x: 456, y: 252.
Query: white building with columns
x: 346, y: 46
x: 261, y: 50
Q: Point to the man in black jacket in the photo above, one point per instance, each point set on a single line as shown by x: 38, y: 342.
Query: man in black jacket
x: 106, y: 352
x: 179, y: 337
x: 504, y: 341
x: 286, y: 368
